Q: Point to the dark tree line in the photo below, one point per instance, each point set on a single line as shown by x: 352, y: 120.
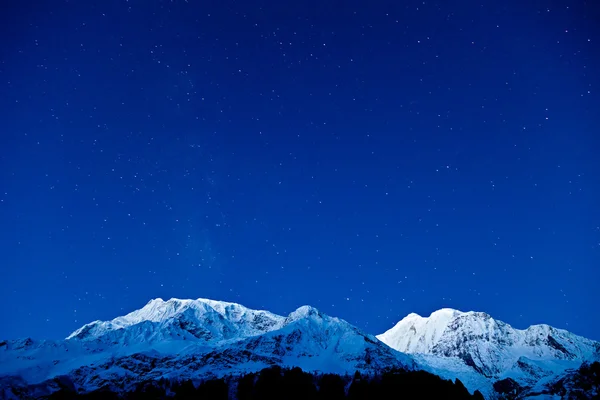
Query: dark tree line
x: 584, y: 383
x: 276, y: 383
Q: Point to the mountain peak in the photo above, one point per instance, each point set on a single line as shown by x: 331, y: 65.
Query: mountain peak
x: 156, y: 300
x: 417, y: 334
x: 205, y: 318
x: 195, y: 339
x: 441, y: 313
x: 304, y: 312
x: 483, y: 343
x: 446, y: 311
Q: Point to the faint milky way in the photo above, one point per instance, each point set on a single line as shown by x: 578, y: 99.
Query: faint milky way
x: 371, y: 160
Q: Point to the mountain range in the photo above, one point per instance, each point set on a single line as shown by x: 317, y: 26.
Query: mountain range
x: 202, y: 339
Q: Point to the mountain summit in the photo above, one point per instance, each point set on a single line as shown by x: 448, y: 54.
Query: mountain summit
x: 416, y: 334
x: 201, y: 319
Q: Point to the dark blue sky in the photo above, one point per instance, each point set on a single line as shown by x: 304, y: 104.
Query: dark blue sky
x: 371, y: 159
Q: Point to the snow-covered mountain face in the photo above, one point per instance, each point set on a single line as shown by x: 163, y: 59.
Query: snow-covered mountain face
x: 190, y: 339
x: 202, y: 319
x: 492, y: 348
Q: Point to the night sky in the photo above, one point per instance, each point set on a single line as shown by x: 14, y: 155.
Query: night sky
x: 368, y: 158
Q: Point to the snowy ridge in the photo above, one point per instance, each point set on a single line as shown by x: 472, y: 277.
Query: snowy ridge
x: 191, y: 339
x: 202, y: 338
x: 491, y: 348
x: 183, y: 318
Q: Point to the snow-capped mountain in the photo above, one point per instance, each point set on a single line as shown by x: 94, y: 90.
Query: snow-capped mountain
x: 489, y: 347
x: 197, y: 339
x: 190, y: 339
x: 202, y: 319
